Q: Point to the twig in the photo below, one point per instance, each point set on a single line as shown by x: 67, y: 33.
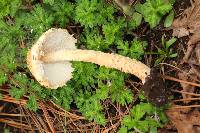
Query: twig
x: 172, y: 66
x: 183, y: 107
x: 188, y: 93
x: 46, y: 115
x: 26, y: 117
x: 180, y: 71
x: 14, y: 115
x: 41, y: 120
x: 65, y: 112
x: 186, y: 99
x: 12, y: 100
x: 34, y: 119
x: 15, y: 124
x: 181, y: 81
x: 112, y: 127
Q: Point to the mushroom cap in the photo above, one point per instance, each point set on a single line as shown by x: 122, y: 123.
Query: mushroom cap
x: 55, y: 74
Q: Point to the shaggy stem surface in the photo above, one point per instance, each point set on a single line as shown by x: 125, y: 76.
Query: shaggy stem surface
x: 109, y: 60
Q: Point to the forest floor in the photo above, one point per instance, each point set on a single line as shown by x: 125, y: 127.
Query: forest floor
x: 181, y: 75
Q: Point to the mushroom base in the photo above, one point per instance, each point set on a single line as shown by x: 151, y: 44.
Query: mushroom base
x: 154, y: 88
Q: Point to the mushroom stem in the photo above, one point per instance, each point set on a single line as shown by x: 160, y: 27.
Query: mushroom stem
x: 116, y: 61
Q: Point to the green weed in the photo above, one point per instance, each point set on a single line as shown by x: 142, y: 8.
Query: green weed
x: 166, y: 51
x: 143, y: 117
x: 154, y: 10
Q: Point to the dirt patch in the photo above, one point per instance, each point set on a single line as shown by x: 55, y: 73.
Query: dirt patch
x: 154, y: 88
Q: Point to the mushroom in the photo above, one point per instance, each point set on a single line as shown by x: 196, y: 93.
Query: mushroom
x: 49, y: 59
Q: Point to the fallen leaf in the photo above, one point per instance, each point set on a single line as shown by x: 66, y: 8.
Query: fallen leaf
x: 189, y: 22
x: 185, y: 122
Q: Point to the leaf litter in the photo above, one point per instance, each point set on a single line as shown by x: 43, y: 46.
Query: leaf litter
x: 188, y: 24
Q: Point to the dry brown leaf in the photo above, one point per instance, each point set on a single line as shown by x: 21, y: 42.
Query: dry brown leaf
x: 189, y: 22
x: 187, y: 87
x: 185, y: 122
x: 180, y: 32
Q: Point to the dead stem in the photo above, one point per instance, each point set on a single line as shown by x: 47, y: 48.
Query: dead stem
x: 181, y: 81
x: 27, y: 118
x: 183, y: 107
x: 15, y: 124
x: 186, y: 99
x: 172, y: 66
x: 64, y: 114
x: 13, y: 115
x: 46, y: 115
x: 112, y: 127
x: 35, y: 120
x: 13, y: 100
x: 188, y: 93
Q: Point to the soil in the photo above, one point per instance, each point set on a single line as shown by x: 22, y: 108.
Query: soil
x: 154, y: 89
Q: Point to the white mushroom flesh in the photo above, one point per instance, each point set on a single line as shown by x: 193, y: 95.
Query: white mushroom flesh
x: 53, y: 74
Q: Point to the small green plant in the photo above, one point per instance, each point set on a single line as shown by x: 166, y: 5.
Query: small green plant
x: 135, y: 21
x: 115, y: 85
x: 18, y: 85
x: 154, y: 10
x: 143, y: 117
x: 166, y: 51
x: 64, y: 97
x: 84, y: 74
x: 169, y: 19
x: 89, y: 12
x: 90, y: 106
x: 63, y: 11
x: 6, y: 130
x: 109, y: 84
x: 9, y: 7
x: 39, y: 20
x: 1, y: 96
x: 32, y: 103
x: 134, y: 50
x: 134, y: 18
x: 112, y: 31
x: 94, y: 40
x: 50, y: 2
